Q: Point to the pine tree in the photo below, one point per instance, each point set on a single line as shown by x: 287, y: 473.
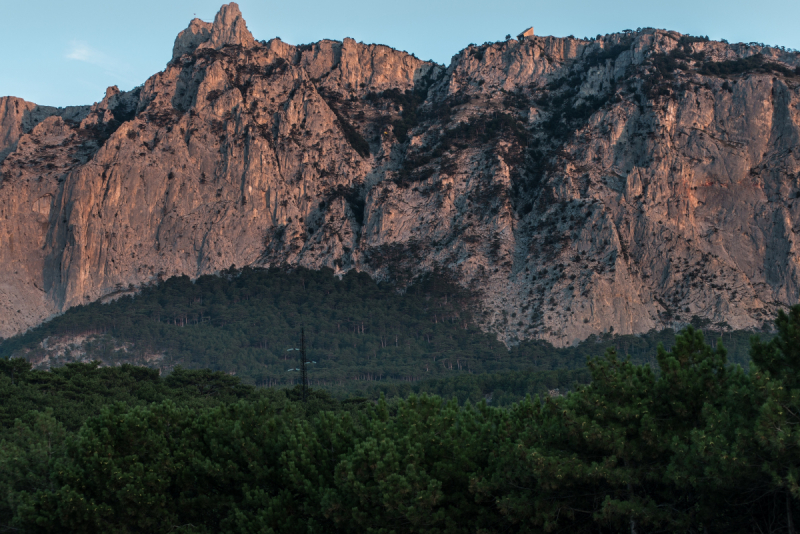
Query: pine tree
x: 777, y: 430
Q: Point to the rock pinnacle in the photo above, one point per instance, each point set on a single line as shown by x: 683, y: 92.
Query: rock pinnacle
x: 229, y: 28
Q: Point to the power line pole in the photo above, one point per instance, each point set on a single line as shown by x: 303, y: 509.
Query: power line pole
x: 303, y: 362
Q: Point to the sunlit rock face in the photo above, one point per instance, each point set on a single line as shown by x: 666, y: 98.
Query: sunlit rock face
x: 628, y: 182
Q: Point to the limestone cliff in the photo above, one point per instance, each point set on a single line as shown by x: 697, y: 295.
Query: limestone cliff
x: 18, y: 117
x: 627, y: 182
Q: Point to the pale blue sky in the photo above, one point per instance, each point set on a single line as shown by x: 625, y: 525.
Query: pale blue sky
x: 63, y: 53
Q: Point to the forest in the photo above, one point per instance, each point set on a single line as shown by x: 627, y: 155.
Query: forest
x: 364, y: 338
x: 691, y: 443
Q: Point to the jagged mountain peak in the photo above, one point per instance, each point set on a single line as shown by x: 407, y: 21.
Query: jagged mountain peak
x: 228, y: 28
x: 189, y: 39
x: 577, y: 186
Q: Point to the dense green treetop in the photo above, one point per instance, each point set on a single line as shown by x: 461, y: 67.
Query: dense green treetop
x: 692, y: 444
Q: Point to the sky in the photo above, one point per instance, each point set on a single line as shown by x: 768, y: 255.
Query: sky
x: 63, y: 53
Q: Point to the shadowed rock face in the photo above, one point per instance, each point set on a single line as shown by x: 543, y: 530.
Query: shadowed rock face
x: 630, y: 182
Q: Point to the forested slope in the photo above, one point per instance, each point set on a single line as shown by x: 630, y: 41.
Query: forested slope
x: 363, y: 336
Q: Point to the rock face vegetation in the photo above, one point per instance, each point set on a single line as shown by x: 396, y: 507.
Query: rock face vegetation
x: 630, y: 182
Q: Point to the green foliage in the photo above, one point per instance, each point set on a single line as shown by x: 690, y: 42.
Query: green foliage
x: 690, y: 445
x: 781, y: 356
x: 484, y: 128
x: 411, y: 473
x: 481, y: 129
x: 408, y: 103
x: 244, y: 321
x: 776, y: 437
x: 665, y: 65
x: 673, y: 451
x: 498, y: 389
x: 26, y: 451
x: 568, y: 108
x: 366, y: 338
x: 78, y: 391
x: 684, y: 48
x: 611, y: 53
x: 755, y: 63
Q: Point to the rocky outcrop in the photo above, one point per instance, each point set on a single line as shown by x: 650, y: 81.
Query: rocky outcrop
x: 228, y: 29
x: 18, y: 117
x: 189, y: 39
x: 629, y: 182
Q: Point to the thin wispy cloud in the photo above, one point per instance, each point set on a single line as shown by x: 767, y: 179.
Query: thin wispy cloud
x: 85, y: 53
x: 81, y: 51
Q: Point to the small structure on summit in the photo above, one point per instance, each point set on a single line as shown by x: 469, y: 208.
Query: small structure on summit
x: 526, y: 34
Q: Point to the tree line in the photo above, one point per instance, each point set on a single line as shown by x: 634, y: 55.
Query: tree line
x: 692, y: 444
x: 365, y: 337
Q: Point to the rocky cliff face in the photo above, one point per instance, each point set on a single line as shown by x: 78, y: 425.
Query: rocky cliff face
x: 628, y: 182
x: 18, y: 117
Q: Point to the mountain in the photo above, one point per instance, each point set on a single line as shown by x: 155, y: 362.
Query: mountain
x: 624, y: 183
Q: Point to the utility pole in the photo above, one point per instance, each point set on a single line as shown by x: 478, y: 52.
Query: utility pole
x: 303, y: 362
